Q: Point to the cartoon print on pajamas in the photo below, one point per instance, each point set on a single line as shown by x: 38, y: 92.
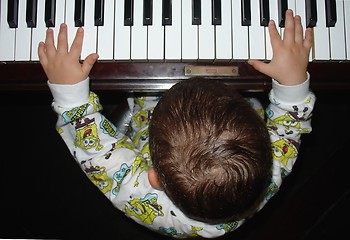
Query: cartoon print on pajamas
x: 146, y: 209
x: 122, y: 143
x: 98, y: 177
x: 228, y: 227
x: 86, y: 134
x: 195, y: 231
x: 283, y: 150
x: 140, y: 137
x: 142, y: 118
x: 140, y: 101
x: 287, y: 121
x: 119, y: 177
x: 75, y: 113
x: 95, y: 102
x: 171, y: 231
x: 272, y: 190
x: 108, y: 127
x: 139, y: 164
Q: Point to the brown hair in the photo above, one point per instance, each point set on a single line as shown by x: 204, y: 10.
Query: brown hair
x: 210, y: 149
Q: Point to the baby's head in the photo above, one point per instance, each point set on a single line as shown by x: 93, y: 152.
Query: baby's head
x: 210, y: 149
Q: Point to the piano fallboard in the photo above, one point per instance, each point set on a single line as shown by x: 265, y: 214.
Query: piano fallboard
x: 159, y: 76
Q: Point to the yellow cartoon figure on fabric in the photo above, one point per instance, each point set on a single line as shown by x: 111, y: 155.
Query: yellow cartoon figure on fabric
x: 124, y: 142
x: 140, y: 101
x: 146, y: 209
x: 99, y: 178
x: 287, y: 121
x: 282, y: 151
x: 142, y: 118
x: 195, y: 231
x: 141, y: 165
x: 94, y: 101
x: 86, y: 134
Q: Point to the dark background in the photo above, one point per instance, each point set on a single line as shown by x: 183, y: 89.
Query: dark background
x: 44, y: 194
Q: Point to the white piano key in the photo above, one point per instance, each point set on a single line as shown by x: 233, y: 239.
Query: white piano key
x: 299, y: 9
x: 122, y: 34
x: 70, y: 6
x: 90, y: 30
x: 60, y: 18
x: 189, y: 33
x: 156, y: 33
x: 240, y: 33
x: 321, y: 49
x: 337, y: 34
x: 292, y: 4
x: 206, y: 33
x: 347, y: 27
x: 273, y: 6
x: 105, y: 39
x: 138, y: 34
x: 173, y: 34
x: 23, y: 34
x: 7, y: 36
x: 223, y: 37
x: 256, y: 33
x: 38, y: 33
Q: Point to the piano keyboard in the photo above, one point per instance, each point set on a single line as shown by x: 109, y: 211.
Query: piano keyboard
x: 172, y: 30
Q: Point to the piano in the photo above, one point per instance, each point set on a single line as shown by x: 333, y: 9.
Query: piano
x: 148, y: 45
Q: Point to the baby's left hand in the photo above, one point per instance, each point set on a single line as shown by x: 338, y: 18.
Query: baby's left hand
x: 60, y: 65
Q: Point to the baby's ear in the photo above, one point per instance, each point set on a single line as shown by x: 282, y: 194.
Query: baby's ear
x: 153, y: 178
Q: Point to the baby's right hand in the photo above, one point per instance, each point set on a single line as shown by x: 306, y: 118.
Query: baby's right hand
x: 60, y: 65
x: 290, y: 57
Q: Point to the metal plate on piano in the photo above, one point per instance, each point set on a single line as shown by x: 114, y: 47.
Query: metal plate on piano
x: 211, y: 71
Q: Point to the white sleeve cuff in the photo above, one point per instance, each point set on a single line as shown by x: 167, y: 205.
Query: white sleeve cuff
x: 66, y: 95
x: 295, y: 93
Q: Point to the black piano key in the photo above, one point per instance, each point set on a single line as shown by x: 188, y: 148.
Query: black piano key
x: 166, y: 12
x: 246, y: 13
x: 331, y: 13
x: 264, y: 13
x: 79, y: 13
x: 128, y: 12
x: 50, y: 13
x: 216, y: 12
x: 147, y: 12
x: 12, y: 13
x: 99, y: 12
x: 196, y: 12
x: 31, y: 13
x: 282, y: 8
x: 311, y: 13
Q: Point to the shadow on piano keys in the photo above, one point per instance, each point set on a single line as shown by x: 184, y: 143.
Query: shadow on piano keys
x: 146, y: 45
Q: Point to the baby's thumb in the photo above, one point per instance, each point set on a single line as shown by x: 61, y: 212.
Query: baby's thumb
x: 259, y: 66
x: 89, y: 62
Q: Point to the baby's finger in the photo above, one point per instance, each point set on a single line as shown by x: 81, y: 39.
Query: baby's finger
x: 42, y: 54
x: 89, y: 62
x: 309, y: 38
x: 299, y: 38
x: 275, y: 37
x: 77, y: 44
x: 49, y: 43
x: 62, y: 44
x: 260, y: 66
x: 289, y: 30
